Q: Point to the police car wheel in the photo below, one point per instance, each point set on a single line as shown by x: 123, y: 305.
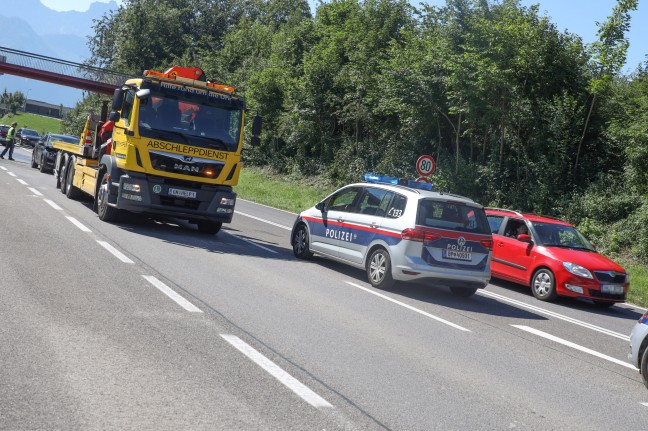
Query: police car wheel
x: 543, y: 285
x: 300, y: 243
x: 379, y: 269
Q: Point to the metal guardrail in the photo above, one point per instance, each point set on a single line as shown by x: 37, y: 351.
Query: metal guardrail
x: 62, y: 72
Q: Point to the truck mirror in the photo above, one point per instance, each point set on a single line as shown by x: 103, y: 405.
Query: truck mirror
x: 255, y: 141
x: 143, y: 94
x: 257, y: 124
x: 114, y: 116
x: 118, y: 98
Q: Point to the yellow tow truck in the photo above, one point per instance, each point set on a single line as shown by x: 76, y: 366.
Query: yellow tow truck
x: 174, y: 150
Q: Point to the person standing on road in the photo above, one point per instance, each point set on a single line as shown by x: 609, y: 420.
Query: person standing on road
x: 11, y: 139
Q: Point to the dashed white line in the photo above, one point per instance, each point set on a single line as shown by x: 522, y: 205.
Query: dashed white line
x: 275, y: 371
x: 34, y: 191
x: 53, y: 205
x: 263, y: 220
x: 553, y: 314
x: 253, y: 243
x: 3, y: 168
x: 644, y: 404
x: 118, y: 254
x: 23, y: 182
x: 78, y: 224
x: 12, y: 174
x: 409, y: 307
x: 172, y: 294
x: 574, y: 346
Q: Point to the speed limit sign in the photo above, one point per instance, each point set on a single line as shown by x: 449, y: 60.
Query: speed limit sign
x: 425, y: 165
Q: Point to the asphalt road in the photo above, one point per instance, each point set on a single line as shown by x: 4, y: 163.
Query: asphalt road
x: 152, y: 325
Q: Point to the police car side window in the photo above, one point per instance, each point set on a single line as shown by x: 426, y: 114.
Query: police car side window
x: 371, y: 200
x: 397, y: 206
x: 343, y: 201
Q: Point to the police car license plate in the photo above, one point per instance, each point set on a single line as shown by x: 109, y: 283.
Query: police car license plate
x: 182, y: 193
x: 457, y: 255
x: 612, y: 288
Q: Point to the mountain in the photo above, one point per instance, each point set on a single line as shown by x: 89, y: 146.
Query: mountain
x: 30, y: 26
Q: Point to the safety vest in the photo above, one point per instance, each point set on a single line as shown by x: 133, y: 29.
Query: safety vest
x: 11, y: 134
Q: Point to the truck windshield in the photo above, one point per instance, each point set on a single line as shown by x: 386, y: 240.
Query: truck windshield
x: 192, y: 121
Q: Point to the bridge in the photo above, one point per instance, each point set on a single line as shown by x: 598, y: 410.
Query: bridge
x: 61, y: 72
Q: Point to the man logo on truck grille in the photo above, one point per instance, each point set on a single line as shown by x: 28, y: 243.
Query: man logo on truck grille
x: 186, y: 168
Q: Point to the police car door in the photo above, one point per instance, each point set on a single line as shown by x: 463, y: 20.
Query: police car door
x: 337, y: 207
x: 362, y: 225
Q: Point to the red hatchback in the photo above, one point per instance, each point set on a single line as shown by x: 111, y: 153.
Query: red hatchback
x: 553, y: 258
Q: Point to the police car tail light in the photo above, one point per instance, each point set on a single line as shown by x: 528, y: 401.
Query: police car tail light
x: 487, y: 243
x: 418, y: 235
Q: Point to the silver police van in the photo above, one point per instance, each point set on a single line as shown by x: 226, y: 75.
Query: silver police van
x: 400, y: 230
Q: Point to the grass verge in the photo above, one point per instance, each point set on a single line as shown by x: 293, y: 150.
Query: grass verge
x: 267, y: 188
x: 39, y: 123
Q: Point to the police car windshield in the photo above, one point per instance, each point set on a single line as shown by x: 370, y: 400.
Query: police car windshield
x: 558, y: 235
x: 452, y: 216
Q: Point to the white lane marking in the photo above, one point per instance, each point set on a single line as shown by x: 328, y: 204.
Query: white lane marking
x: 78, y: 224
x: 252, y: 242
x: 34, y: 191
x: 24, y: 183
x: 275, y: 371
x: 409, y: 307
x: 644, y: 404
x: 12, y: 174
x: 574, y: 346
x: 556, y: 315
x: 53, y: 205
x: 3, y: 168
x: 118, y: 254
x: 263, y: 220
x: 172, y: 294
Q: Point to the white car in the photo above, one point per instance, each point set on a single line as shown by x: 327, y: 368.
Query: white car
x: 638, y: 355
x: 400, y: 230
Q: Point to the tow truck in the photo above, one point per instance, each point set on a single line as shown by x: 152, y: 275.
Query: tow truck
x: 174, y: 150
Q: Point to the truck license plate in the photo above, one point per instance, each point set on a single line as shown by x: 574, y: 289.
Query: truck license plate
x: 457, y: 255
x: 182, y: 193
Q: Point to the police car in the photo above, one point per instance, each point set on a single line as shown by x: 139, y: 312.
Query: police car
x: 400, y: 230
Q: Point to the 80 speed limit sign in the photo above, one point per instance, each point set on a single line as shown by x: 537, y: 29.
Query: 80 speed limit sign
x: 425, y: 165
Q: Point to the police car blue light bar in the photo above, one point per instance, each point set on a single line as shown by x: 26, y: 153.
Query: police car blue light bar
x: 375, y: 178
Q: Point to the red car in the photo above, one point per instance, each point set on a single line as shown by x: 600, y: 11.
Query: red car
x: 553, y: 258
x: 3, y: 133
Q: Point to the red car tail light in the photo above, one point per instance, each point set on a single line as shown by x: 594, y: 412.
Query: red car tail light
x: 487, y: 243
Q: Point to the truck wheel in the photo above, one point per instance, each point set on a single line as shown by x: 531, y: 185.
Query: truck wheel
x: 71, y: 191
x: 105, y: 211
x: 62, y: 174
x: 209, y: 227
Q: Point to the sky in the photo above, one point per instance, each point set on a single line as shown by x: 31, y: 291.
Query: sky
x: 576, y: 16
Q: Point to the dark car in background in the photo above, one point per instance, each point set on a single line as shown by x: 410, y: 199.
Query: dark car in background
x: 44, y: 153
x: 3, y: 133
x: 25, y: 136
